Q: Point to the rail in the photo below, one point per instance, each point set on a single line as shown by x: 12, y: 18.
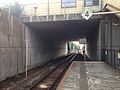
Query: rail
x: 29, y: 82
x: 61, y: 67
x: 57, y: 79
x: 74, y: 16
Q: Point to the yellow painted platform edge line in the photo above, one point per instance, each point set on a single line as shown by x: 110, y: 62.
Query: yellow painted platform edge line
x: 65, y: 76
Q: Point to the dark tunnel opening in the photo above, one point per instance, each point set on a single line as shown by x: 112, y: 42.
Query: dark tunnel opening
x: 53, y: 37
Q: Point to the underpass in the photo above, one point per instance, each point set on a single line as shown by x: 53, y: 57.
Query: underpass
x: 69, y: 30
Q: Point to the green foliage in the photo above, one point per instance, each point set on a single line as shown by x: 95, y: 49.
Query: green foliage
x: 73, y: 46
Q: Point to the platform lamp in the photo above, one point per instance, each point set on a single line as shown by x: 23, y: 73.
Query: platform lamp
x: 35, y: 8
x: 27, y: 48
x: 48, y: 7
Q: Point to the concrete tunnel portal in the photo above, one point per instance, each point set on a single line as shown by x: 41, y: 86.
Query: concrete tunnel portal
x: 47, y: 40
x: 55, y: 34
x: 32, y: 46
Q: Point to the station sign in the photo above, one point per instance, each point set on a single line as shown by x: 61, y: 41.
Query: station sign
x: 87, y: 14
x: 82, y: 41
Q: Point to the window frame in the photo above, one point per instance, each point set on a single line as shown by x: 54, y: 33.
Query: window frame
x: 85, y: 5
x: 93, y: 1
x: 68, y: 5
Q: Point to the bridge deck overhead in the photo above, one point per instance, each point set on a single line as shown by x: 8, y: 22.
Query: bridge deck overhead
x: 66, y: 30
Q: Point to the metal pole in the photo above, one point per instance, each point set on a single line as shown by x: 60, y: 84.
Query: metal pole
x: 9, y: 11
x: 64, y: 11
x: 100, y: 4
x: 27, y: 43
x: 48, y: 8
x: 84, y: 53
x: 103, y: 13
x: 119, y: 40
x: 119, y: 34
x: 111, y: 47
x: 26, y: 55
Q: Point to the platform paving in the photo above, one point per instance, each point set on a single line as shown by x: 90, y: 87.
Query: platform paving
x: 90, y: 76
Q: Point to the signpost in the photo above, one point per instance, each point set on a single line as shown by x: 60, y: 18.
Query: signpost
x: 87, y: 14
x: 83, y: 41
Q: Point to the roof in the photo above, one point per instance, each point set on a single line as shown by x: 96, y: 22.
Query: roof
x: 112, y: 8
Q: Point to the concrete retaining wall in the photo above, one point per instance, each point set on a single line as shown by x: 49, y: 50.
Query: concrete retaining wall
x: 13, y: 34
x: 94, y: 44
x: 12, y: 46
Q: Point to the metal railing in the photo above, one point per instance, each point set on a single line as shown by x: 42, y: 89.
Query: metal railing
x: 51, y: 17
x: 110, y: 57
x: 75, y: 16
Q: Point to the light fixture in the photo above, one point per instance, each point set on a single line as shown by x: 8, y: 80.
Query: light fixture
x: 43, y: 86
x: 115, y: 24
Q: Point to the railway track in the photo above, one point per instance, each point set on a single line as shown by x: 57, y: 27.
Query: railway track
x: 55, y: 71
x: 52, y: 79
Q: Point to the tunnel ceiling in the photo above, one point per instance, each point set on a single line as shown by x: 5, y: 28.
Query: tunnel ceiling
x: 65, y: 30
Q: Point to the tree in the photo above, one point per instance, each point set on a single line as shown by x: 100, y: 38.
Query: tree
x: 14, y: 9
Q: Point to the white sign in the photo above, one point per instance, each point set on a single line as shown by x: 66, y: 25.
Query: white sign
x: 82, y: 41
x: 87, y: 14
x: 118, y: 55
x: 106, y: 52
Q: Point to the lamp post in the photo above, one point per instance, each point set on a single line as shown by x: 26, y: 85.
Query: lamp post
x: 27, y: 52
x: 27, y: 43
x: 48, y: 10
x: 84, y: 52
x: 9, y: 9
x: 35, y: 8
x: 119, y: 33
x: 48, y: 7
x: 119, y: 41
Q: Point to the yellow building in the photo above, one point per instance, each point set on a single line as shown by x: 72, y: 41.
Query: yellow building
x: 56, y: 7
x: 112, y: 5
x: 115, y: 3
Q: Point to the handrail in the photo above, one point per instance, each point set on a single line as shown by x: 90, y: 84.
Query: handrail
x: 61, y: 17
x: 106, y: 5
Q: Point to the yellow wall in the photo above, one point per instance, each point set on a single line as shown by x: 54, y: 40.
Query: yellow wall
x: 115, y: 3
x: 55, y: 8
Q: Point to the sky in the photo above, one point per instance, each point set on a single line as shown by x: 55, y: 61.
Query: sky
x: 2, y: 2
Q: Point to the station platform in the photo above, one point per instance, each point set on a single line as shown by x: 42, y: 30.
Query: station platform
x: 90, y: 76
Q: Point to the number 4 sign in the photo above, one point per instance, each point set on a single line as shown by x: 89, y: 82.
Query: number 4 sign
x: 87, y: 14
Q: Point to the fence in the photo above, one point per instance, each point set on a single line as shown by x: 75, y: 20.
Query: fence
x: 110, y: 56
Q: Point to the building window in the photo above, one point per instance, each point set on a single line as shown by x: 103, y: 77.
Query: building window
x: 91, y: 2
x: 95, y: 2
x: 68, y: 3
